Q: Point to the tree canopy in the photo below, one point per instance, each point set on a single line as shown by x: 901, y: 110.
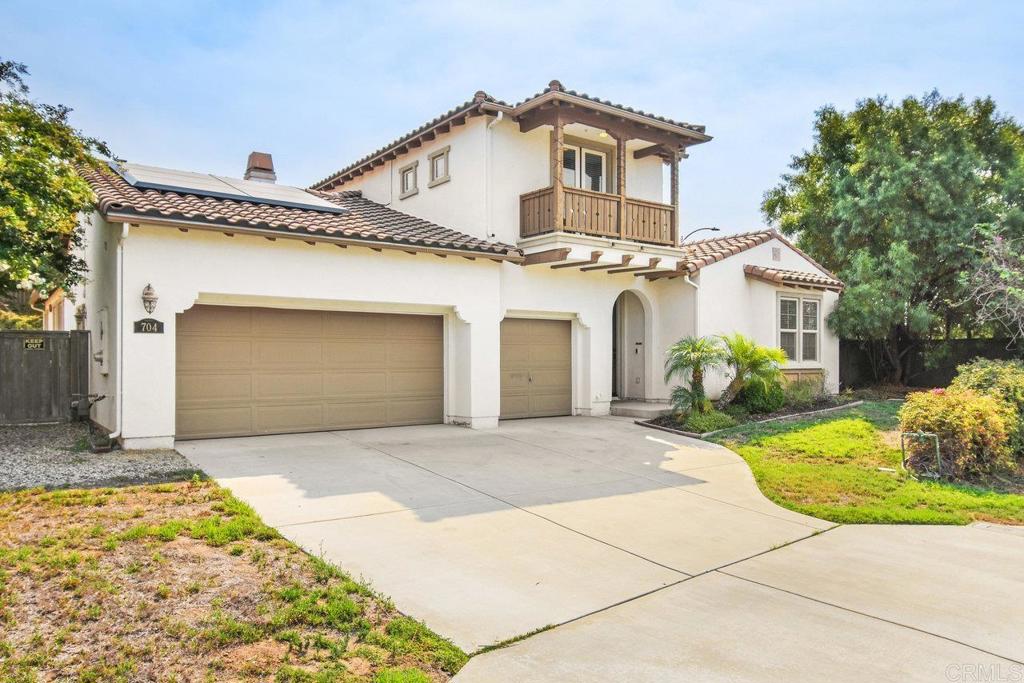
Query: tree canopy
x: 891, y: 197
x: 41, y: 193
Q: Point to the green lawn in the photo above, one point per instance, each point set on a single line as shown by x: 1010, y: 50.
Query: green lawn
x: 828, y: 467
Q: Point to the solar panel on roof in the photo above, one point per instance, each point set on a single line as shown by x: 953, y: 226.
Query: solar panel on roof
x: 222, y: 187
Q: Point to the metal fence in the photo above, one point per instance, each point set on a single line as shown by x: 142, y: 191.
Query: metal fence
x: 41, y: 374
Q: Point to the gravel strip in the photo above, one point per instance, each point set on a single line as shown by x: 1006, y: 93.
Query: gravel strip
x: 57, y: 456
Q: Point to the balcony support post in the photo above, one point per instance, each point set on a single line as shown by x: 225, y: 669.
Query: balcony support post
x: 620, y: 181
x: 557, y: 177
x: 674, y: 184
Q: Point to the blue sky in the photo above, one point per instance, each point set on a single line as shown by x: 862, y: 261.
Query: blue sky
x: 197, y: 85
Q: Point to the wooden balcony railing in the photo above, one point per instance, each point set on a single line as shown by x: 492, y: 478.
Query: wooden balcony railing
x: 598, y: 214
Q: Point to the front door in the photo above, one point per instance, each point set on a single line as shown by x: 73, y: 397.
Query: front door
x: 630, y: 366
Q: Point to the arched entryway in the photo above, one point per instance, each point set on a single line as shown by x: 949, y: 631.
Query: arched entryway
x: 629, y: 347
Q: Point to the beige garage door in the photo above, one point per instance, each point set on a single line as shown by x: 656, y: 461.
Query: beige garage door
x: 264, y: 371
x: 536, y: 368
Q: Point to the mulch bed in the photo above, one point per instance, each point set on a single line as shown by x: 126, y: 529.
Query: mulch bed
x: 824, y: 403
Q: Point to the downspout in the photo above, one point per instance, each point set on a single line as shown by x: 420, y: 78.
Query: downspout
x: 488, y: 155
x: 119, y: 340
x: 696, y: 304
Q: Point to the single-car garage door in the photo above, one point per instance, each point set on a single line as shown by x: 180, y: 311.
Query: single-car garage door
x: 536, y: 368
x: 243, y: 371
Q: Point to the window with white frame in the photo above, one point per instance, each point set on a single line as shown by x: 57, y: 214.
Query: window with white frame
x: 439, y: 167
x: 585, y: 168
x: 407, y: 184
x: 799, y: 327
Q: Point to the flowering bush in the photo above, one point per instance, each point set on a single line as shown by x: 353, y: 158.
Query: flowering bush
x: 1003, y: 379
x: 973, y: 431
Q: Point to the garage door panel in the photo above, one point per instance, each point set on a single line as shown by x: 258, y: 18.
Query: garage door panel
x: 536, y: 368
x: 415, y: 354
x: 414, y: 327
x: 218, y: 321
x: 306, y: 370
x: 288, y: 385
x: 415, y: 411
x: 550, y: 380
x: 414, y: 382
x: 355, y: 354
x: 274, y: 322
x: 214, y: 387
x: 199, y: 352
x: 353, y: 415
x: 281, y: 352
x: 549, y: 405
x: 214, y: 421
x: 289, y: 417
x: 366, y: 383
x: 355, y: 325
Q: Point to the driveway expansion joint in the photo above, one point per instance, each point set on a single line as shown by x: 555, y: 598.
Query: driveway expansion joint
x: 869, y: 615
x: 522, y: 509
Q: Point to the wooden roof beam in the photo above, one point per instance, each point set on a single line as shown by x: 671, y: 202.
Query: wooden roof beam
x: 549, y: 256
x: 626, y: 258
x: 651, y: 264
x: 595, y: 256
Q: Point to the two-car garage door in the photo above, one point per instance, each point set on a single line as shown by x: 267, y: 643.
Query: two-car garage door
x: 244, y: 371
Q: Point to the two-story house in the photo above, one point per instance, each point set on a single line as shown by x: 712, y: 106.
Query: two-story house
x: 500, y: 261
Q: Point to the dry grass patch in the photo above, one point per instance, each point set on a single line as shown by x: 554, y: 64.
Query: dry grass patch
x: 182, y: 582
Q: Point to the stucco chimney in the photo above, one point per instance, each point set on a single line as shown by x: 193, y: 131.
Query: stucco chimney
x: 260, y: 167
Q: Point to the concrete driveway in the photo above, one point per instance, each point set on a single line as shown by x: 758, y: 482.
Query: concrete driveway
x: 656, y: 555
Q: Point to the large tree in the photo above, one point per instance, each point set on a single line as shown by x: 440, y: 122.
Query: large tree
x: 41, y: 194
x: 890, y: 197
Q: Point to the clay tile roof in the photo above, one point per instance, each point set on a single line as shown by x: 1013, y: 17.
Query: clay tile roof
x: 705, y: 252
x: 363, y: 219
x: 795, y: 278
x: 468, y: 108
x: 556, y: 86
x: 481, y: 103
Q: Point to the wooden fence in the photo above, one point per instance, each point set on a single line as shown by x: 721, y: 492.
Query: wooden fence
x: 41, y: 374
x: 930, y: 364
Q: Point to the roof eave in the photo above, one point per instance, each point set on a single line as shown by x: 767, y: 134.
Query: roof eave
x: 130, y: 216
x: 561, y: 96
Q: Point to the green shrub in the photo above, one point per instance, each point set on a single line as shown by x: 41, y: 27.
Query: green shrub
x: 762, y: 397
x: 802, y: 394
x: 1003, y: 379
x: 973, y: 431
x: 9, y: 320
x: 707, y: 422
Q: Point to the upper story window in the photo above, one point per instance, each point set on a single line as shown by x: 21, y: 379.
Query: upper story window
x: 439, y: 167
x: 584, y: 168
x: 407, y: 181
x: 799, y: 328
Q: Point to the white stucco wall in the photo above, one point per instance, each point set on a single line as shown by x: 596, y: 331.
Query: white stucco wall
x: 731, y: 302
x: 473, y: 296
x: 460, y: 203
x: 99, y: 294
x: 491, y: 164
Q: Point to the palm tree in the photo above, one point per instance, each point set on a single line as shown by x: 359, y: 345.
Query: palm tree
x: 690, y: 358
x: 751, y: 363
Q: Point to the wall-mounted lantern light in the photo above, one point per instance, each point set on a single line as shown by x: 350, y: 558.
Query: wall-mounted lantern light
x: 149, y: 298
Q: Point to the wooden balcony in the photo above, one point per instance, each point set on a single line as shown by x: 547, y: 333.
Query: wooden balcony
x: 598, y: 214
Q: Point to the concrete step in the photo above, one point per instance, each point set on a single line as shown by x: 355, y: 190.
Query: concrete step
x: 644, y: 410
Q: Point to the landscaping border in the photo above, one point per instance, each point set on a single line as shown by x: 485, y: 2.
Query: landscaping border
x: 702, y: 436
